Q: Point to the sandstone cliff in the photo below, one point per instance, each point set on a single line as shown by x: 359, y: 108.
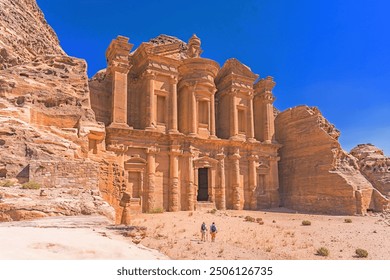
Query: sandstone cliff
x: 375, y: 166
x: 24, y: 33
x: 315, y: 174
x: 47, y: 127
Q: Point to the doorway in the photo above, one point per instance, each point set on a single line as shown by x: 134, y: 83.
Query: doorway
x: 203, y: 184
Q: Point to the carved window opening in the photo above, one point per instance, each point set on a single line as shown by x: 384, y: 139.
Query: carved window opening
x: 161, y: 104
x: 241, y: 121
x: 203, y: 184
x: 203, y: 113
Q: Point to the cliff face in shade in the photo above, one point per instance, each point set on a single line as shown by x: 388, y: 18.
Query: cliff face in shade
x: 315, y: 174
x: 375, y: 166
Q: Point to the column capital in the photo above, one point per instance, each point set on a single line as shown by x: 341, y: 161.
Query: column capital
x: 152, y: 150
x: 252, y: 157
x: 173, y: 79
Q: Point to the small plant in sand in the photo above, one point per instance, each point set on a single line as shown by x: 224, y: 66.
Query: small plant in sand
x: 306, y: 223
x: 324, y: 252
x: 361, y: 253
x: 259, y: 220
x: 156, y: 210
x: 31, y: 185
x: 190, y: 214
x: 7, y: 184
x: 268, y: 249
x: 348, y: 221
x: 249, y: 219
x: 212, y: 211
x: 261, y: 223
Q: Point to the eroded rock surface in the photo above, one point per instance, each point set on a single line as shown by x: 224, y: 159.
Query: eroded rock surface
x: 375, y: 166
x: 315, y: 174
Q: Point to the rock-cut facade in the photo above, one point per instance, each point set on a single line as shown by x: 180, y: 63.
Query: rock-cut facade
x: 186, y: 132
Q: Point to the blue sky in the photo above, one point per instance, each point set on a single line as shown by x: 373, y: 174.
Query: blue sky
x: 331, y: 54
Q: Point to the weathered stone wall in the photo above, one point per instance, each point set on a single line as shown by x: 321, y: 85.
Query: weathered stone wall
x: 67, y: 173
x: 316, y: 175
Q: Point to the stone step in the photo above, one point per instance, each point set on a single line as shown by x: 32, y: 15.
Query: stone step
x: 204, y: 205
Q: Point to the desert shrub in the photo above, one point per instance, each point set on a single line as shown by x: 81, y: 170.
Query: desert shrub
x: 31, y: 185
x: 259, y: 220
x: 361, y: 253
x: 156, y: 210
x: 306, y: 223
x: 7, y: 184
x: 250, y: 219
x: 348, y: 221
x: 323, y: 252
x: 212, y: 211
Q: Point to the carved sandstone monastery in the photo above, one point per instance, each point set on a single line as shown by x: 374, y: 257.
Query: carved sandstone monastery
x: 162, y: 129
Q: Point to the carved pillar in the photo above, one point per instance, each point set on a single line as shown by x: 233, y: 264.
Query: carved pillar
x: 150, y: 173
x: 190, y: 182
x: 236, y: 192
x: 194, y: 115
x: 173, y: 106
x: 251, y: 130
x: 221, y: 194
x: 265, y: 127
x: 150, y: 101
x: 233, y: 117
x: 174, y: 179
x: 253, y: 181
x: 118, y: 66
x: 212, y: 116
x: 273, y: 186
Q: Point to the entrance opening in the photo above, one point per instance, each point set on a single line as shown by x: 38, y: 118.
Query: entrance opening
x: 203, y: 184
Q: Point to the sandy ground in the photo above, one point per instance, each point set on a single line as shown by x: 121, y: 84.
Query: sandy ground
x: 80, y: 237
x: 282, y: 236
x: 177, y: 236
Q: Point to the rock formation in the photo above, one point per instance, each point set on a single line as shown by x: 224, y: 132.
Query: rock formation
x: 160, y: 129
x: 374, y: 165
x: 46, y: 122
x: 316, y: 175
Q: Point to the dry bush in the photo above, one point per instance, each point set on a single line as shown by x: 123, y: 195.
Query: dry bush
x: 31, y: 185
x: 249, y: 219
x: 361, y: 253
x: 324, y: 252
x: 348, y: 221
x: 7, y: 184
x: 259, y: 220
x: 306, y: 223
x: 156, y: 210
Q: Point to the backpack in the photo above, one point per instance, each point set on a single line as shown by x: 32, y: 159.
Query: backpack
x: 213, y: 228
x: 203, y: 227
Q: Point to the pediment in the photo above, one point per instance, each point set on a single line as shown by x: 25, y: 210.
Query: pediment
x: 234, y: 67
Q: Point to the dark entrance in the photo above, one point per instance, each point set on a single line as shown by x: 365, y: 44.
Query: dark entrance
x: 203, y: 184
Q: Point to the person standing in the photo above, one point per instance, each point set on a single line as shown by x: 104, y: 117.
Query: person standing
x: 203, y: 230
x: 213, y: 231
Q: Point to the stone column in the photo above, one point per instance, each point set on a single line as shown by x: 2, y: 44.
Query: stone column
x: 273, y: 186
x: 212, y: 116
x: 263, y: 91
x: 150, y: 173
x: 190, y: 181
x: 221, y: 194
x: 235, y: 159
x: 118, y: 66
x: 251, y: 130
x: 173, y: 106
x: 253, y: 181
x: 233, y: 117
x: 150, y: 101
x: 194, y: 114
x: 174, y: 179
